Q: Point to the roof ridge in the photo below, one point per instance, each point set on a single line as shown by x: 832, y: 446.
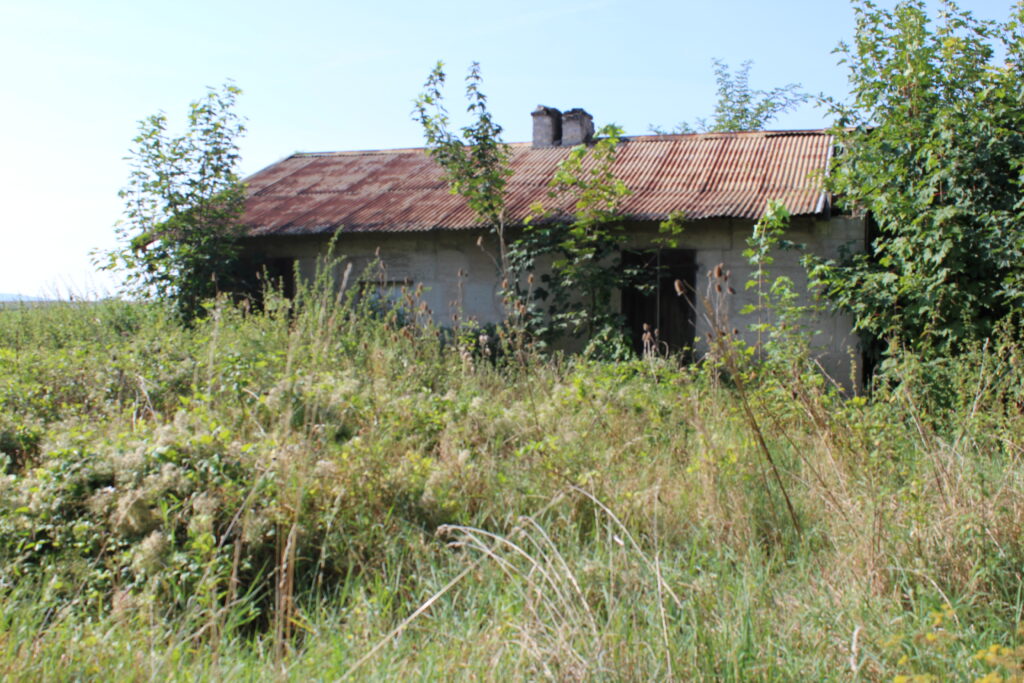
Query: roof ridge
x: 652, y: 137
x: 357, y: 152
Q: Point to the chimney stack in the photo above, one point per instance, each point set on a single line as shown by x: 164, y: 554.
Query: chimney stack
x: 547, y: 126
x: 577, y: 128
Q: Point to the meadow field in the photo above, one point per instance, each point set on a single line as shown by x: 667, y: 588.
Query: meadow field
x: 318, y: 492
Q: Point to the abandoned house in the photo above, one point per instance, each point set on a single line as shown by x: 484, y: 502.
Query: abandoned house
x: 395, y: 204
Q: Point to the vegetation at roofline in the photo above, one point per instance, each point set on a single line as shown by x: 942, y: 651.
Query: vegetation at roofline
x: 582, y: 250
x: 582, y: 247
x: 475, y: 162
x: 738, y: 106
x: 932, y: 149
x: 183, y: 206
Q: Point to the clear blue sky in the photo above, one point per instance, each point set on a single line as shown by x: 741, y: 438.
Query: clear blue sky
x: 323, y: 75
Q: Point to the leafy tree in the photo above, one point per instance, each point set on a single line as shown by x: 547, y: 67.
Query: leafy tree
x: 183, y: 205
x: 580, y: 246
x: 932, y: 147
x: 740, y: 107
x: 583, y: 249
x: 476, y: 160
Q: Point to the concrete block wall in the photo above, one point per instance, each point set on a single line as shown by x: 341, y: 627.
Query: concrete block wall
x: 723, y: 241
x: 436, y: 259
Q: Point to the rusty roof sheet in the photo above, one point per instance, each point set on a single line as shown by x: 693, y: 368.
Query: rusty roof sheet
x: 709, y: 175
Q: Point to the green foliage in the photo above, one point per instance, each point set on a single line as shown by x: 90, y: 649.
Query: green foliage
x: 783, y: 325
x: 739, y: 107
x: 931, y: 148
x: 582, y: 248
x: 579, y: 246
x: 183, y: 207
x: 475, y: 163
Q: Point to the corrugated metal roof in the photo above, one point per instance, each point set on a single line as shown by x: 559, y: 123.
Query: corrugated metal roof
x: 710, y: 175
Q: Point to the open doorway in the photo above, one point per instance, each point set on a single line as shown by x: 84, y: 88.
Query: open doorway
x: 670, y: 316
x: 280, y: 273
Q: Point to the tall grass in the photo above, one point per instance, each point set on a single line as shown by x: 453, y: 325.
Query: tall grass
x: 327, y: 488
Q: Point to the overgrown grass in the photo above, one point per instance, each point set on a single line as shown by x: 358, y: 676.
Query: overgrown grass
x: 315, y: 492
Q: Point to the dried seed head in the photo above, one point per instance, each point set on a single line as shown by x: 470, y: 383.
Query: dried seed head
x: 504, y: 284
x: 718, y: 270
x: 647, y: 327
x: 735, y: 332
x: 718, y: 288
x: 376, y: 252
x: 679, y: 287
x: 732, y: 291
x: 480, y: 241
x: 529, y: 278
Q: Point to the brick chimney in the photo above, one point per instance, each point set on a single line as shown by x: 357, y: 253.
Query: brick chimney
x: 577, y: 127
x: 547, y: 126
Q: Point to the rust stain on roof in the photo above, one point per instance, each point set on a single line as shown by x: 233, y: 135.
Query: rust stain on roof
x: 710, y: 175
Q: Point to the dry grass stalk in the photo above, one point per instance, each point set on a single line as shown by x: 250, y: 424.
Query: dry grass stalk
x: 722, y: 346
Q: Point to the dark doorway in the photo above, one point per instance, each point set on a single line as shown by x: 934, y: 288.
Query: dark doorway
x: 280, y: 273
x: 656, y: 303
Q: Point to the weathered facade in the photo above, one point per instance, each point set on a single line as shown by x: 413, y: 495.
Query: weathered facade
x: 395, y: 203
